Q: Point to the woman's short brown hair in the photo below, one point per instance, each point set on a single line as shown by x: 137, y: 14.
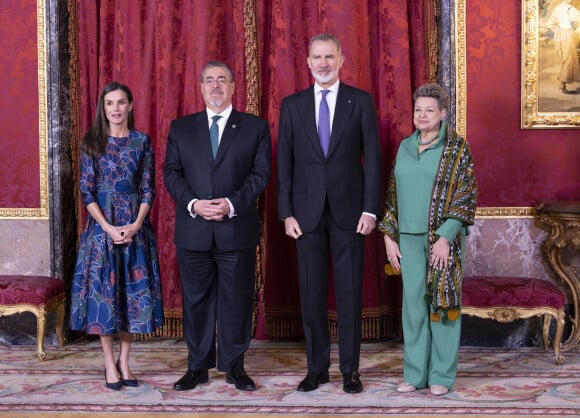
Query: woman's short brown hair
x: 435, y: 91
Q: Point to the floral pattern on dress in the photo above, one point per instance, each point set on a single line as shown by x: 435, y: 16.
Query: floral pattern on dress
x: 117, y: 287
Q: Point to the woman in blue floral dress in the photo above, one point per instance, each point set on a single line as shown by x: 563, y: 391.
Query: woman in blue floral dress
x: 116, y: 287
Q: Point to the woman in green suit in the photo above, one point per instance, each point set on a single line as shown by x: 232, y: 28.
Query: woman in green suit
x: 431, y: 200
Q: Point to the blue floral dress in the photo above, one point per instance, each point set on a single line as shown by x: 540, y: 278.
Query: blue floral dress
x: 117, y: 287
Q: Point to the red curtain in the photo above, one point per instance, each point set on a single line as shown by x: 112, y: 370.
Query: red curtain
x: 383, y: 42
x: 159, y: 48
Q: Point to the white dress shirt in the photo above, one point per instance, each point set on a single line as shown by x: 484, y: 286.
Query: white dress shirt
x: 221, y: 122
x: 330, y: 99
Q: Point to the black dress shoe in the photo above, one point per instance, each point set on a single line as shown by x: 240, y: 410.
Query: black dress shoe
x: 127, y: 382
x: 113, y: 386
x: 351, y: 382
x: 191, y: 379
x: 312, y: 380
x: 239, y: 377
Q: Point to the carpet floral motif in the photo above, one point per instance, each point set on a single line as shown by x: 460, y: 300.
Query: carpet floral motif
x: 507, y: 382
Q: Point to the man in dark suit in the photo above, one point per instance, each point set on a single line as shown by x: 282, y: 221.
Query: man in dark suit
x: 217, y: 165
x: 329, y: 194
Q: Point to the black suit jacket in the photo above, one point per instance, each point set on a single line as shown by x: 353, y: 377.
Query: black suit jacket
x: 351, y: 174
x: 240, y: 172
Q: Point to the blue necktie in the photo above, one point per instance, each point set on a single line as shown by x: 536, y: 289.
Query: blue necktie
x: 324, y: 123
x: 214, y: 134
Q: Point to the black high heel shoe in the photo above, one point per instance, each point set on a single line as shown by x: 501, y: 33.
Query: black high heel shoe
x: 127, y: 382
x: 113, y: 386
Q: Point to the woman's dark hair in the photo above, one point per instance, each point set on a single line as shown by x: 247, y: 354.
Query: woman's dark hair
x: 435, y: 91
x: 95, y: 140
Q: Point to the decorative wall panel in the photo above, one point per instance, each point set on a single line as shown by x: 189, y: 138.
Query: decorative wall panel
x: 23, y: 139
x: 514, y: 167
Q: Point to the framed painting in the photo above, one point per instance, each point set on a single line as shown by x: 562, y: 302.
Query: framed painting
x: 550, y: 64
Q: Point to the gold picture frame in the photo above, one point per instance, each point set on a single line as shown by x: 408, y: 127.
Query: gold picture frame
x: 548, y: 98
x: 460, y: 50
x: 460, y: 47
x: 41, y: 212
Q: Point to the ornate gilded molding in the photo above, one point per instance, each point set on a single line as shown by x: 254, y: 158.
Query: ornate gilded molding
x: 461, y: 109
x: 253, y: 102
x: 563, y: 219
x: 503, y: 315
x: 254, y: 106
x: 530, y: 115
x: 507, y: 314
x: 505, y: 212
x: 460, y: 69
x: 431, y: 39
x: 56, y: 304
x: 42, y: 211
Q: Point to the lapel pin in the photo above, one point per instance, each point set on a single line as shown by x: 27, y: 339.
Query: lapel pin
x: 234, y: 126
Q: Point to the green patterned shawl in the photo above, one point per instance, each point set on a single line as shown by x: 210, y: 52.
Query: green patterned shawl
x: 454, y: 196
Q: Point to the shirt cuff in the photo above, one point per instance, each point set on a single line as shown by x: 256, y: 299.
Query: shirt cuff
x: 371, y: 214
x: 190, y: 211
x: 232, y: 211
x: 449, y: 229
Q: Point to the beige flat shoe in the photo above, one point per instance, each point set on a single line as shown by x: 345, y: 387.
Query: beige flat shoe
x: 406, y: 387
x: 439, y: 390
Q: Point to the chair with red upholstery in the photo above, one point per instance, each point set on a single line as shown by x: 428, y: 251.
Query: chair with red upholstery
x: 505, y: 299
x: 36, y: 294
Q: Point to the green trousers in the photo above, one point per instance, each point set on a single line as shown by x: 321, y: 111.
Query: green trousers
x: 431, y: 348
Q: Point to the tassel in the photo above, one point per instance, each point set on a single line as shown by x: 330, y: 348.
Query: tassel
x: 435, y: 317
x: 390, y: 270
x: 453, y: 314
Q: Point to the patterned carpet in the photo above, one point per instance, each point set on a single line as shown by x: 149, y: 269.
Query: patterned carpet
x: 491, y: 382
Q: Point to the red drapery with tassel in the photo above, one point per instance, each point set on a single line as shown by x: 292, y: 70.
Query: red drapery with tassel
x: 159, y: 48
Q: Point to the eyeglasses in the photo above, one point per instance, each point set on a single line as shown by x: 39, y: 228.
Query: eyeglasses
x: 220, y: 80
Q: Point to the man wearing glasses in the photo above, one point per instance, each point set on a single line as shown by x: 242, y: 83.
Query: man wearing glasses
x: 216, y: 166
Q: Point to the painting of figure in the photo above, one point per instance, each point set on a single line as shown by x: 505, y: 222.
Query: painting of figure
x: 558, y: 56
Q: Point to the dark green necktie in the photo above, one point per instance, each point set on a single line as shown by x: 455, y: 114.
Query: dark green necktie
x: 214, y: 134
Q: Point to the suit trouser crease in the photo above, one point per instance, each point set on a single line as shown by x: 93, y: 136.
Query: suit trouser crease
x: 217, y: 288
x: 346, y: 247
x: 430, y: 348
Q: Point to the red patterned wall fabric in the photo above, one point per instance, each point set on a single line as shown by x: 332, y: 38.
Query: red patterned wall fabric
x: 19, y: 137
x: 159, y: 48
x: 514, y: 167
x: 388, y: 61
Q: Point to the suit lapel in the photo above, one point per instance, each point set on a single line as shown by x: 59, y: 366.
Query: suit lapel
x: 230, y: 132
x: 342, y: 112
x: 201, y: 130
x: 308, y: 113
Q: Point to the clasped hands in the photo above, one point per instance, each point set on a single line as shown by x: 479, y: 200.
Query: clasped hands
x: 123, y: 234
x: 212, y: 210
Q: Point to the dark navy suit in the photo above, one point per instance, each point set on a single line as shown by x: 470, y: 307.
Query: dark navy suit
x: 327, y: 196
x: 217, y: 258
